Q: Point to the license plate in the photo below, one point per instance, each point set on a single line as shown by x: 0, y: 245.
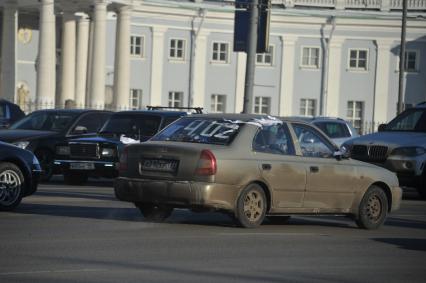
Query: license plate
x: 82, y: 166
x: 161, y: 165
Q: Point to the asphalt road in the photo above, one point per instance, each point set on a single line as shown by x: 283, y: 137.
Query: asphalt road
x: 82, y: 234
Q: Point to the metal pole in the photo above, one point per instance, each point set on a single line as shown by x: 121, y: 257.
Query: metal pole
x: 402, y: 58
x: 251, y: 57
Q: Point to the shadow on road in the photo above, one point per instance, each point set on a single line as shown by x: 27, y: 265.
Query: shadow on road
x: 405, y: 243
x: 405, y: 223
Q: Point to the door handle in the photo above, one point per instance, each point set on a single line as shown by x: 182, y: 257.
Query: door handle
x: 266, y: 166
x: 314, y: 169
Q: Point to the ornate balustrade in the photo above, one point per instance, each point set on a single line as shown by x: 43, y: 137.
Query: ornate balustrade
x: 383, y: 5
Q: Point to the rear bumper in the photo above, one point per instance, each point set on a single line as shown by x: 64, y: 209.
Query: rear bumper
x: 177, y: 193
x: 105, y: 169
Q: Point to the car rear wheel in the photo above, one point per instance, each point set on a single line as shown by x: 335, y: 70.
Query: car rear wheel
x: 154, y: 212
x: 12, y: 184
x: 72, y: 178
x: 45, y: 157
x: 373, y: 209
x: 251, y: 206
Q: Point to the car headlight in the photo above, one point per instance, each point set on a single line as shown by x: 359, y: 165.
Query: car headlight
x: 63, y: 150
x: 409, y: 151
x: 107, y: 152
x: 21, y: 144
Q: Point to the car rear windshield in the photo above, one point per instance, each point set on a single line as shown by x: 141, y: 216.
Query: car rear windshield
x: 334, y: 130
x: 134, y: 126
x: 46, y: 121
x: 195, y: 130
x: 412, y: 120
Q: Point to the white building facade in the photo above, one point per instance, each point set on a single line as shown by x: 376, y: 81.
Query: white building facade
x: 326, y: 57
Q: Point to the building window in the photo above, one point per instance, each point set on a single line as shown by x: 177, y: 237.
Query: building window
x: 358, y: 59
x: 218, y: 103
x: 136, y: 46
x: 135, y: 99
x: 355, y: 113
x: 220, y: 52
x: 308, y: 107
x: 177, y: 49
x: 175, y: 99
x: 411, y: 61
x: 266, y: 58
x: 262, y: 105
x: 311, y: 57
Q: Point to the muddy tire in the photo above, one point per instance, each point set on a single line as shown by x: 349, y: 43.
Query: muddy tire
x: 12, y: 186
x: 251, y: 206
x: 373, y: 209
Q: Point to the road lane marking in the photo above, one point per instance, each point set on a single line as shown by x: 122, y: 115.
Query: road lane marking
x: 52, y: 271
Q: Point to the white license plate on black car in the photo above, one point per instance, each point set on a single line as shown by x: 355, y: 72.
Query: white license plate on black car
x: 159, y: 165
x: 82, y: 166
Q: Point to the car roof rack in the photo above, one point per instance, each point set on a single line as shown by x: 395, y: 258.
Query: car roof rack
x: 198, y: 110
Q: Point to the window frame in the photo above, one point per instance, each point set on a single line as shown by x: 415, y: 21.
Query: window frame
x: 228, y: 55
x: 367, y: 60
x: 139, y: 98
x: 306, y: 108
x: 142, y: 47
x: 352, y: 119
x: 175, y: 58
x: 263, y: 56
x: 214, y: 101
x: 310, y: 67
x: 417, y: 70
x: 171, y: 103
x: 260, y: 105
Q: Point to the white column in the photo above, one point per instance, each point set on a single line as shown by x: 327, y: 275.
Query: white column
x: 8, y: 56
x: 97, y: 89
x: 332, y: 99
x: 288, y: 60
x: 240, y: 83
x: 68, y: 58
x: 90, y: 61
x: 381, y: 95
x: 122, y: 60
x: 81, y: 61
x: 157, y: 65
x: 46, y: 69
x: 199, y: 79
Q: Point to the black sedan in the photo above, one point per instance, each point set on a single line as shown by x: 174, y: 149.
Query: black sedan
x: 9, y: 113
x: 41, y: 131
x: 19, y: 174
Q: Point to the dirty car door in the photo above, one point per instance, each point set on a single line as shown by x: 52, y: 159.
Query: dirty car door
x: 279, y: 166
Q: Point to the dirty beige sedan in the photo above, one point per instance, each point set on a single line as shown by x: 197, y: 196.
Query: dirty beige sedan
x: 252, y: 167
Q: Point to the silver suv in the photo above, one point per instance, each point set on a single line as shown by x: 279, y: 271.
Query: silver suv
x: 399, y: 146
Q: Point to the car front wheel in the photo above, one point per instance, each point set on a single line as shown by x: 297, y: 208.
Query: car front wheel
x: 12, y: 186
x: 373, y: 209
x: 251, y: 206
x: 154, y: 212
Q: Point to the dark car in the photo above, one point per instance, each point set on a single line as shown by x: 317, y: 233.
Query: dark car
x: 97, y: 156
x: 399, y: 146
x: 9, y: 113
x: 19, y: 174
x: 41, y: 131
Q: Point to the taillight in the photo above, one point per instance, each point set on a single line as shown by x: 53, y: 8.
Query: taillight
x: 206, y: 164
x: 122, y: 165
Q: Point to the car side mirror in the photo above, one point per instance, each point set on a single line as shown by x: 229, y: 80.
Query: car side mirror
x: 79, y: 130
x: 339, y: 154
x: 382, y: 127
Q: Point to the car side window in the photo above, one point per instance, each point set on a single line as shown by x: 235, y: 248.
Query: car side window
x: 312, y: 143
x: 168, y: 120
x: 275, y: 139
x: 90, y: 123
